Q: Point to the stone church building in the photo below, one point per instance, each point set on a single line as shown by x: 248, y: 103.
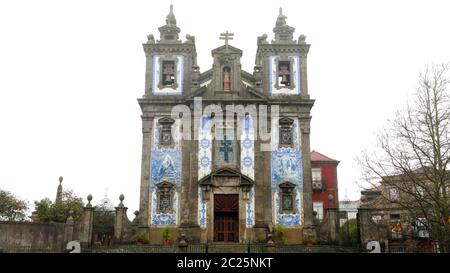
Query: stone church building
x: 218, y: 179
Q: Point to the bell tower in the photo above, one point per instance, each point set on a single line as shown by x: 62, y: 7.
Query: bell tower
x: 171, y: 65
x: 226, y: 76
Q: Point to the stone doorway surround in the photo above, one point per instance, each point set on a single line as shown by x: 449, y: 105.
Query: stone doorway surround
x: 226, y: 181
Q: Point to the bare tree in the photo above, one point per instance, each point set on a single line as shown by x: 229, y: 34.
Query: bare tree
x: 413, y: 155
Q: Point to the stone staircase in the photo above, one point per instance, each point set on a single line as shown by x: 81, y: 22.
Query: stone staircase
x: 227, y: 248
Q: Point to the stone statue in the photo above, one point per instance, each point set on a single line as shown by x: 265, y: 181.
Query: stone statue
x: 302, y: 39
x: 226, y: 80
x: 190, y: 39
x: 262, y: 39
x: 150, y: 39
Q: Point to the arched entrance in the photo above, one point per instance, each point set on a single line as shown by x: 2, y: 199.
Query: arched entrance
x: 226, y: 218
x: 226, y: 192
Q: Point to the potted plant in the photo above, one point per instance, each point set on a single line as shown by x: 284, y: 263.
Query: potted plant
x: 166, y: 236
x: 310, y: 240
x: 141, y: 238
x: 281, y: 235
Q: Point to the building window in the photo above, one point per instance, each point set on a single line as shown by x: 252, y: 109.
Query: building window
x: 286, y: 132
x: 316, y: 178
x: 318, y: 208
x: 420, y: 228
x: 377, y: 218
x: 393, y: 194
x: 396, y: 226
x: 165, y: 197
x: 168, y: 73
x: 420, y: 191
x: 284, y: 73
x: 165, y: 131
x: 287, y: 197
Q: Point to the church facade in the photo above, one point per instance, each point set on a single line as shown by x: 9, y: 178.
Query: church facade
x: 226, y: 153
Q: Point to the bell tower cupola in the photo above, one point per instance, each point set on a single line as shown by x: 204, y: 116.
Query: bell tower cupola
x: 169, y: 32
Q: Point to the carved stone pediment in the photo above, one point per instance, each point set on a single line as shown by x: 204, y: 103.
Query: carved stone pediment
x: 226, y: 173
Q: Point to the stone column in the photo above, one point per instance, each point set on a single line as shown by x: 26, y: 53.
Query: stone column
x: 189, y: 187
x: 121, y: 220
x: 308, y: 224
x: 87, y: 223
x: 144, y: 205
x: 367, y: 230
x: 333, y: 225
x: 303, y: 75
x: 263, y: 190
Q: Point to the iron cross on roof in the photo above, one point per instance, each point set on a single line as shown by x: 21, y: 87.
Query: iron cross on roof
x: 226, y: 36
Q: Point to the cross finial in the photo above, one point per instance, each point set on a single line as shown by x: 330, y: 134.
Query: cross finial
x: 226, y: 36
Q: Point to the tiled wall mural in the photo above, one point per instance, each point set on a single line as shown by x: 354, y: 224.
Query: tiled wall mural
x: 274, y: 76
x: 247, y: 165
x: 165, y: 166
x: 158, y: 90
x: 204, y: 163
x: 286, y: 166
x: 201, y: 209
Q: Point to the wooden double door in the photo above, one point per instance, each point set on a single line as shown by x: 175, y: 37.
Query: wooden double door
x: 226, y: 218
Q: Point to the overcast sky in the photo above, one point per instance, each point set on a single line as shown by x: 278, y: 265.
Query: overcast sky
x: 71, y: 71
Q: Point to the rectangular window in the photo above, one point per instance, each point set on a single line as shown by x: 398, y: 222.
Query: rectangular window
x: 377, y: 218
x: 316, y: 174
x: 394, y: 217
x: 420, y: 191
x: 316, y: 178
x: 396, y: 226
x: 393, y: 194
x: 318, y: 208
x: 420, y: 228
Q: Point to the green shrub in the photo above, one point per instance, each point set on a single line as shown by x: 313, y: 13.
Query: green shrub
x: 141, y: 236
x: 166, y: 233
x: 280, y: 234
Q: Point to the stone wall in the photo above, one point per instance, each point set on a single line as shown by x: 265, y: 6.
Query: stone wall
x: 34, y: 235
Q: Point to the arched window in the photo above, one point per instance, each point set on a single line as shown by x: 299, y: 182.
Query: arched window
x: 168, y: 73
x: 287, y: 197
x: 286, y: 132
x: 226, y: 75
x: 165, y: 197
x: 284, y: 73
x: 165, y: 131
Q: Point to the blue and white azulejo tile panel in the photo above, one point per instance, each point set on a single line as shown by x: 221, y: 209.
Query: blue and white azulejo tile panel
x: 165, y: 165
x: 287, y: 166
x: 164, y: 219
x: 204, y: 163
x: 247, y: 165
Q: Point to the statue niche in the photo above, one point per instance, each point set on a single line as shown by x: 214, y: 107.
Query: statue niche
x: 226, y: 79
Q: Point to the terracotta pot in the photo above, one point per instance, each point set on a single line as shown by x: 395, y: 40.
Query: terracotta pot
x: 309, y: 244
x: 166, y: 242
